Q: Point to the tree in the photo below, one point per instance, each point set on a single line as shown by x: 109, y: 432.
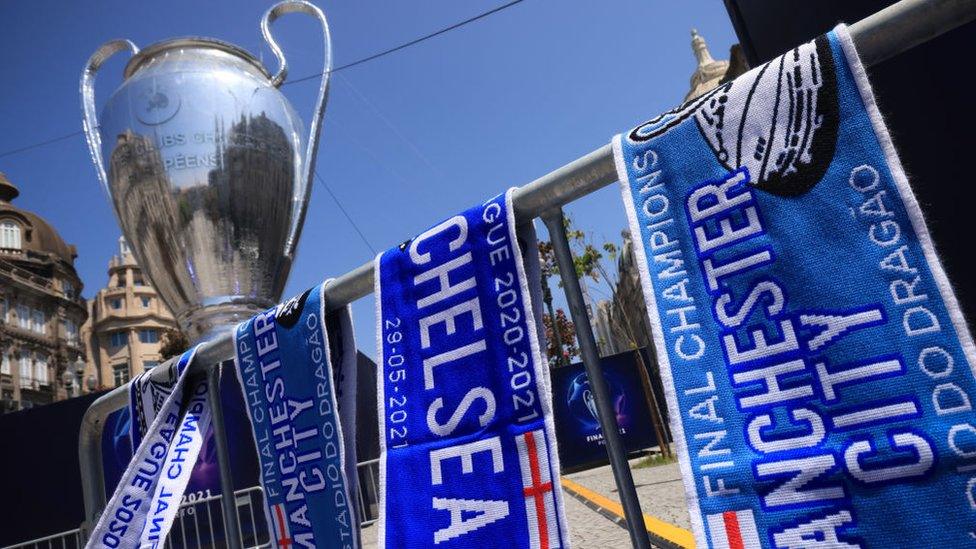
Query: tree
x: 174, y: 342
x: 567, y: 333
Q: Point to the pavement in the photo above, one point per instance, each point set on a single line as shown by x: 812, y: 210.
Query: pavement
x: 661, y: 493
x: 659, y: 489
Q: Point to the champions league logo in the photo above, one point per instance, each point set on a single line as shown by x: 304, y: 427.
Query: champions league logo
x: 579, y: 400
x: 158, y: 105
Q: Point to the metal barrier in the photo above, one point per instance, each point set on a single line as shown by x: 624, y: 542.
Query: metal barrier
x: 877, y: 37
x: 65, y: 540
x: 195, y: 525
x: 199, y: 522
x: 369, y: 491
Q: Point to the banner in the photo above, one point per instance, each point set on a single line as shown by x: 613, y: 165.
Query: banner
x: 581, y: 443
x: 468, y: 452
x: 298, y: 382
x: 818, y: 369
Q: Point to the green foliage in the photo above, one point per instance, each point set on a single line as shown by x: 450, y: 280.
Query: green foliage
x: 173, y: 343
x: 567, y: 334
x: 653, y: 460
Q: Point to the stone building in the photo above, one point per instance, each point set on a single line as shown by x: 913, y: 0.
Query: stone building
x: 41, y: 309
x: 628, y: 314
x: 126, y: 324
x: 709, y: 73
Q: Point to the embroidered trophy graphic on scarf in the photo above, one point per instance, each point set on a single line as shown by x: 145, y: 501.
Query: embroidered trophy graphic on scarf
x: 468, y: 451
x: 147, y: 498
x: 818, y: 370
x: 297, y: 370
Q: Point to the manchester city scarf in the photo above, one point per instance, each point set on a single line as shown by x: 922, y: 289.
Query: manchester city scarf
x: 297, y: 370
x: 818, y: 370
x: 146, y: 500
x: 468, y: 451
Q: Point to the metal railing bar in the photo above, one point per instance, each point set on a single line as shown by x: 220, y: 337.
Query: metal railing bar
x: 906, y: 24
x: 617, y: 452
x: 37, y: 541
x: 228, y: 503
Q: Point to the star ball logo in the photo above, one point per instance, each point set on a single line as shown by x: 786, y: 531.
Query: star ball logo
x: 157, y: 105
x: 580, y: 401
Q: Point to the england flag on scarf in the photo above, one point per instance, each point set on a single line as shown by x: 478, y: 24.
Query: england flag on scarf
x: 537, y: 487
x: 281, y: 532
x: 733, y: 530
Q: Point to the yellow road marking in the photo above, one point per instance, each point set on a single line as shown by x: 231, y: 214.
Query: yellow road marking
x: 674, y: 534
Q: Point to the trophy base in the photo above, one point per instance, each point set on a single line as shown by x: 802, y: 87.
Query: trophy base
x: 209, y: 321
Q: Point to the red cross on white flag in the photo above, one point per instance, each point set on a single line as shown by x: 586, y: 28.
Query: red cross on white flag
x: 281, y: 530
x: 733, y: 530
x: 540, y: 506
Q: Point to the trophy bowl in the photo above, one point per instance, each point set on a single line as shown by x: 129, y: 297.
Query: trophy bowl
x: 208, y: 168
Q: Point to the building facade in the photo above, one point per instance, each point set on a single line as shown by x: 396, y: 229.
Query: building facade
x: 41, y: 309
x: 127, y: 320
x: 709, y: 73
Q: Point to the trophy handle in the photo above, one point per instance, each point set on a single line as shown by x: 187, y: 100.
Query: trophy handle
x: 279, y: 9
x: 87, y: 85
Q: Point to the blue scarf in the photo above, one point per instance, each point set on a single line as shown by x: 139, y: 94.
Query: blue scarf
x: 468, y: 452
x: 819, y: 372
x: 298, y: 381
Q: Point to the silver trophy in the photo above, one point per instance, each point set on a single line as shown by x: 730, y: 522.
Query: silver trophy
x: 205, y: 169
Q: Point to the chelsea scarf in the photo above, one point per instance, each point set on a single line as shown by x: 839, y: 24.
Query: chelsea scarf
x: 818, y: 370
x: 297, y: 370
x: 468, y: 452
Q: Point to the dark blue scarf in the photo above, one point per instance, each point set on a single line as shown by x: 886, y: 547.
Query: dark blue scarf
x: 468, y: 455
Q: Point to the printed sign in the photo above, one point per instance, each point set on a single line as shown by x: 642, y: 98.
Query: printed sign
x: 818, y: 369
x: 581, y: 442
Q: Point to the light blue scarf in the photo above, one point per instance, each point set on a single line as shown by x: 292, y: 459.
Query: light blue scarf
x: 819, y: 372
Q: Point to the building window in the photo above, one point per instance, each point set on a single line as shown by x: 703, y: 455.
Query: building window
x: 146, y: 301
x: 120, y: 374
x: 138, y: 281
x: 118, y: 339
x: 23, y: 316
x: 40, y: 370
x: 149, y: 336
x: 116, y: 303
x: 6, y: 308
x: 40, y: 319
x: 5, y: 364
x: 68, y: 288
x: 26, y: 379
x: 9, y: 235
x: 70, y: 330
x: 149, y: 364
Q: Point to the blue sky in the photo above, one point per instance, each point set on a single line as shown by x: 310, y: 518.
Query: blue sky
x: 408, y: 139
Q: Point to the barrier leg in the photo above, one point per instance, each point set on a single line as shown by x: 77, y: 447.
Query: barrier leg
x: 228, y: 504
x: 554, y: 221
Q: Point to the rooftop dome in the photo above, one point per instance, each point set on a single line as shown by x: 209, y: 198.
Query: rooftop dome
x: 39, y: 235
